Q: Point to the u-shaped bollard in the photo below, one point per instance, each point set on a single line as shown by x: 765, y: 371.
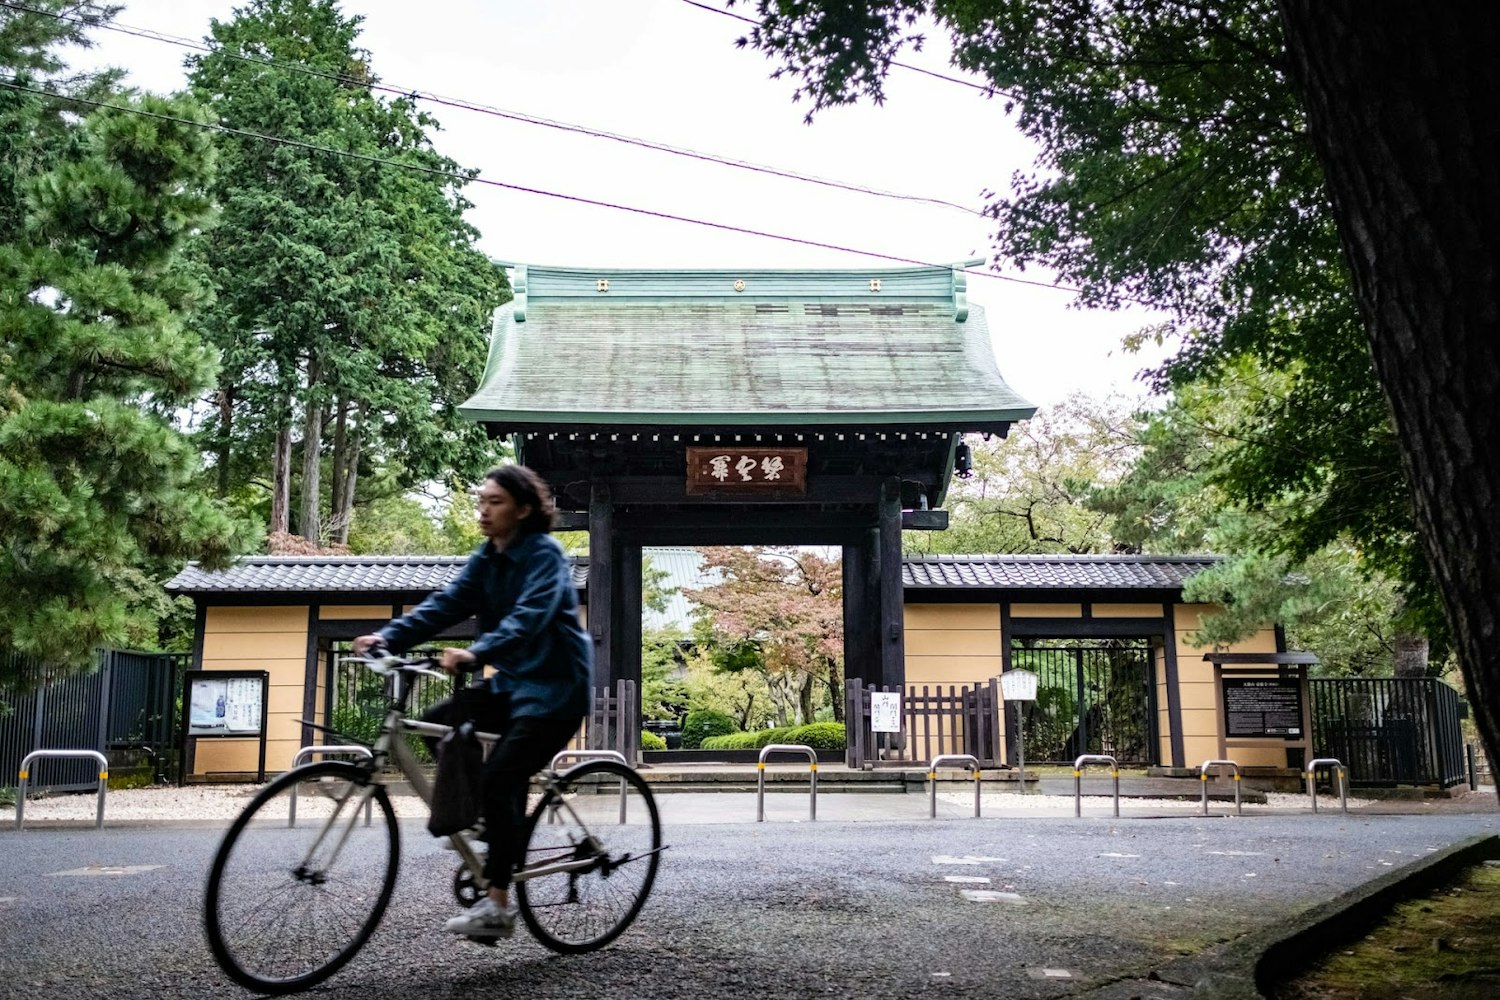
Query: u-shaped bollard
x: 760, y: 778
x: 25, y: 773
x: 1093, y: 758
x: 969, y: 762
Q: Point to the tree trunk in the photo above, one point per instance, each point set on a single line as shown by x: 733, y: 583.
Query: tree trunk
x: 312, y: 458
x: 1400, y: 102
x: 281, y: 482
x: 805, y: 710
x: 336, y: 460
x: 225, y: 402
x: 836, y: 688
x: 351, y: 476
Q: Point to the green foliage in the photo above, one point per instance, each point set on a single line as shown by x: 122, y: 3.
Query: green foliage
x: 98, y: 502
x: 1031, y: 491
x: 819, y: 735
x: 651, y: 741
x: 350, y: 293
x: 7, y: 796
x: 703, y: 723
x: 357, y: 724
x: 1176, y: 168
x: 664, y: 693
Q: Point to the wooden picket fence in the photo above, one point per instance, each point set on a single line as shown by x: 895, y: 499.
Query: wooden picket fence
x: 934, y: 720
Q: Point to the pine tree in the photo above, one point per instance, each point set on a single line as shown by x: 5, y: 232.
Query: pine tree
x: 97, y: 495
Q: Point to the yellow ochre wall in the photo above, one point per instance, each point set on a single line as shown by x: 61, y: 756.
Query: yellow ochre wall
x: 273, y: 639
x: 951, y: 646
x: 1195, y: 677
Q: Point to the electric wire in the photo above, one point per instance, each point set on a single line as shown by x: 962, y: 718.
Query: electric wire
x: 466, y: 178
x: 464, y: 104
x: 988, y: 90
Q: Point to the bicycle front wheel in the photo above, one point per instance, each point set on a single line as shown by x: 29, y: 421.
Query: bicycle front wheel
x: 592, y: 850
x: 302, y: 878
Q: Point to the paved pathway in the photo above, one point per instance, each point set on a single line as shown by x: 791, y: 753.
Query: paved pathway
x: 873, y: 899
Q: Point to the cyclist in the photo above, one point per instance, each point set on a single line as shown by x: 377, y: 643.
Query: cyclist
x: 518, y: 584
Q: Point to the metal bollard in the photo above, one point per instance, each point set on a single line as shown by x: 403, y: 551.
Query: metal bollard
x: 1339, y: 774
x: 1203, y: 778
x: 301, y: 756
x: 1093, y: 758
x: 969, y: 761
x: 37, y: 754
x: 580, y: 755
x: 760, y: 778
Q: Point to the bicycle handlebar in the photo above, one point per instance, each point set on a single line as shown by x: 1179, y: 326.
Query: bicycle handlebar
x: 383, y: 662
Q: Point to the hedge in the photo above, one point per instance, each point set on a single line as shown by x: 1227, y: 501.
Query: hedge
x: 651, y: 741
x: 703, y: 723
x: 818, y: 735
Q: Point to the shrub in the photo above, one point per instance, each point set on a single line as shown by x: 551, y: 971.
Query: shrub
x: 765, y: 737
x: 702, y: 723
x: 651, y: 741
x: 818, y: 735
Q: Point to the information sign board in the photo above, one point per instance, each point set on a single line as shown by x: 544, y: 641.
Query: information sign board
x: 885, y: 711
x: 225, y: 703
x: 1266, y: 707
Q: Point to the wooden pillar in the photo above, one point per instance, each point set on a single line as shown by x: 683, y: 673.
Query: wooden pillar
x: 892, y: 632
x: 1173, y: 684
x: 602, y: 576
x: 861, y: 610
x: 626, y: 655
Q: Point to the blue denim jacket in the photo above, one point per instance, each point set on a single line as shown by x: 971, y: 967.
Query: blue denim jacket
x: 527, y: 608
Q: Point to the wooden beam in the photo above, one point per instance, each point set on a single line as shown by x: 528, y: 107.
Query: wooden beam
x: 924, y: 520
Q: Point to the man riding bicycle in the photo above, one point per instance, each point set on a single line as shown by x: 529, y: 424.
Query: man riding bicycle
x: 519, y: 586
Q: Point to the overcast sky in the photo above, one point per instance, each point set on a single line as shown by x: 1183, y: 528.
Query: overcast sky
x: 669, y: 72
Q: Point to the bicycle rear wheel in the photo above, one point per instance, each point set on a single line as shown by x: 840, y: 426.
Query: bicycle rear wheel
x: 602, y: 839
x: 301, y: 879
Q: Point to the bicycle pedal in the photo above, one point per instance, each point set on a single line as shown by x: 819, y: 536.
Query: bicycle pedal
x: 488, y: 942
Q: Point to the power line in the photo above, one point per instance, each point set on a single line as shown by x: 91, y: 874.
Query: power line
x: 578, y: 199
x: 987, y: 89
x: 518, y: 116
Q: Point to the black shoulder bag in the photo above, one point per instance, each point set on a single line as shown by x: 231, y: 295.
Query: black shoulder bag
x: 455, y: 791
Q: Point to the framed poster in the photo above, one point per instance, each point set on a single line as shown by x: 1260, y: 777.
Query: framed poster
x: 225, y: 703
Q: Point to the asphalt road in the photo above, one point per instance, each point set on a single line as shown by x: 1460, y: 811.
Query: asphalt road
x: 1004, y: 907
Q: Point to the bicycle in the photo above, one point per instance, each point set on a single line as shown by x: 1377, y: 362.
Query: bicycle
x: 290, y: 903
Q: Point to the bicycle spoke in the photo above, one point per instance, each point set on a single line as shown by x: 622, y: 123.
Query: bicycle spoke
x: 587, y: 873
x: 288, y: 905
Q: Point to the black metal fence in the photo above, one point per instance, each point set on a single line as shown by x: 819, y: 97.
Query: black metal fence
x: 1092, y: 697
x: 1390, y: 731
x: 126, y: 709
x: 357, y: 707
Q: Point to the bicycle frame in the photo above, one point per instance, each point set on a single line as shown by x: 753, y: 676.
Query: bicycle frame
x: 388, y: 748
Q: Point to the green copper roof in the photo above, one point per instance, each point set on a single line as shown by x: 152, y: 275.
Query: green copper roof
x: 727, y: 347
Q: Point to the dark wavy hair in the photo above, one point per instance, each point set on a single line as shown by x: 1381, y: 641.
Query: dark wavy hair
x: 528, y: 489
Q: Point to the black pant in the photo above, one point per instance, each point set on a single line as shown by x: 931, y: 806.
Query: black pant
x: 527, y: 746
x: 476, y: 703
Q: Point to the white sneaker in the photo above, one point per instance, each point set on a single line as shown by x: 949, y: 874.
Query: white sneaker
x: 485, y: 919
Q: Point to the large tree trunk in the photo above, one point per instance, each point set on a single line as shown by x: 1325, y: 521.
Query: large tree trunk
x: 346, y: 449
x: 312, y: 459
x: 281, y: 482
x: 225, y: 401
x: 1401, y: 108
